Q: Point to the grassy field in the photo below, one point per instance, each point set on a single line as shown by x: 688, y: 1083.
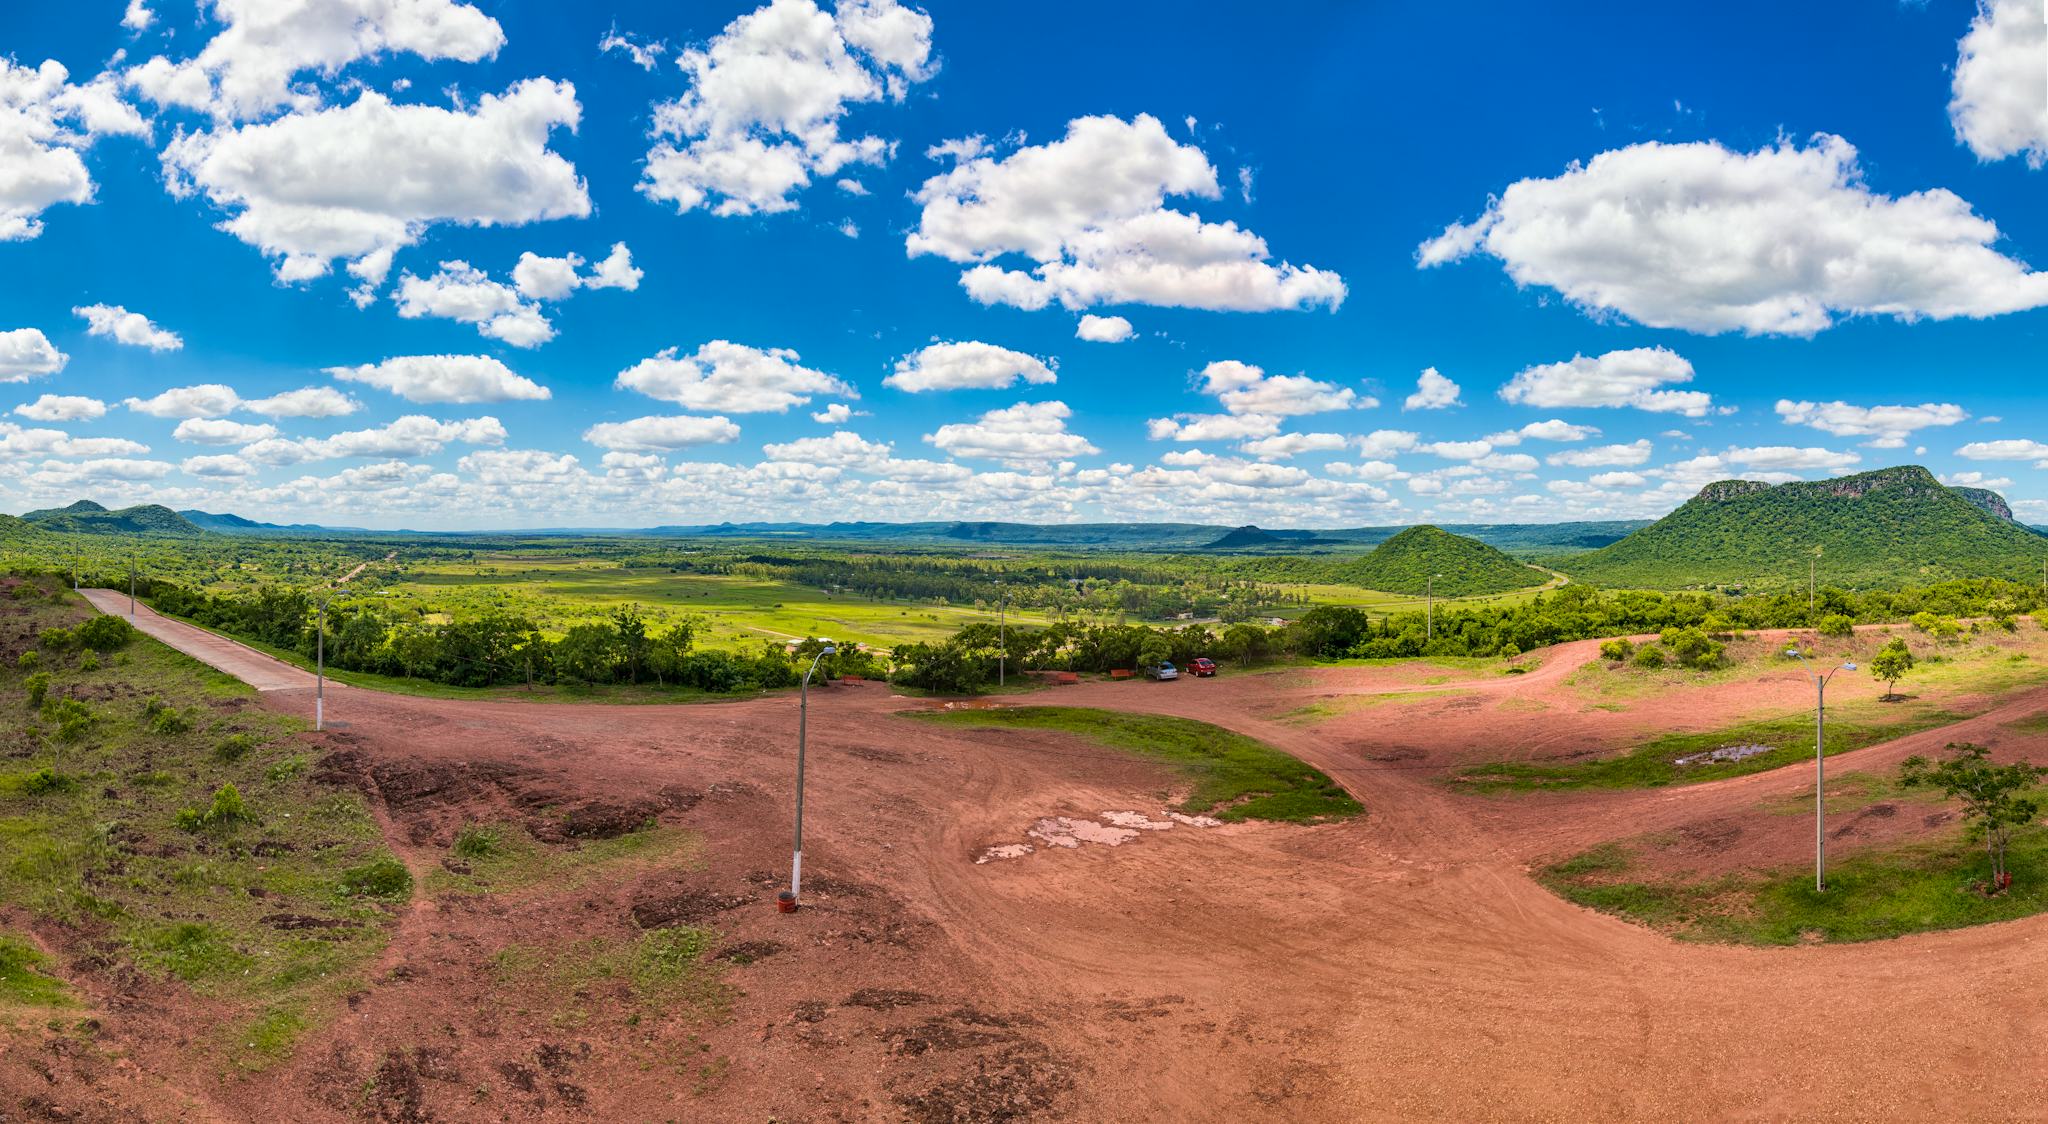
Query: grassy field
x: 1654, y: 763
x: 734, y: 611
x: 1870, y: 896
x: 1234, y: 777
x: 148, y: 800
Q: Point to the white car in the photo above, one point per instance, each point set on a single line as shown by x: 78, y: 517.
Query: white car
x: 1163, y: 671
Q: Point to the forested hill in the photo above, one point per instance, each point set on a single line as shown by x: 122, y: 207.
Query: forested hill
x: 1885, y: 529
x: 88, y: 518
x: 1404, y: 563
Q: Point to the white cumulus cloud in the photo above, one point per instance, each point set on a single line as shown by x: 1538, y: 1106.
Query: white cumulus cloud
x: 306, y: 402
x: 45, y: 122
x: 1779, y: 241
x: 1433, y: 391
x: 766, y: 99
x: 1103, y: 329
x: 62, y: 408
x: 968, y: 365
x: 220, y: 431
x: 1601, y: 456
x: 661, y: 434
x: 207, y: 400
x: 1998, y: 99
x: 1089, y: 211
x: 123, y: 326
x: 26, y: 353
x: 445, y: 378
x: 731, y: 377
x: 1886, y: 426
x: 1635, y: 377
x: 1024, y: 435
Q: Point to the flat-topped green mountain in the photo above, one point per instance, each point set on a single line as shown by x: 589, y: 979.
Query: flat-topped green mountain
x: 1404, y: 563
x: 1891, y: 527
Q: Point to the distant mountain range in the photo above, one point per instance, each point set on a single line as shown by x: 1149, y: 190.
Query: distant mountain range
x: 1892, y: 527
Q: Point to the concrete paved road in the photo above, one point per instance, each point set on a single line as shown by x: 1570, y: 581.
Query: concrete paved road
x: 239, y: 660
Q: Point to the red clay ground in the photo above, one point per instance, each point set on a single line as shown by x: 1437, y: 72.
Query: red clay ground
x: 1398, y: 966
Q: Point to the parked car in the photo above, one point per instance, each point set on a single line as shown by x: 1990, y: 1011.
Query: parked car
x: 1163, y: 671
x: 1203, y: 667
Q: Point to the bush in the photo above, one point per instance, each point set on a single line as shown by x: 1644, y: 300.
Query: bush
x: 55, y: 639
x: 73, y: 718
x: 45, y: 781
x: 1692, y: 648
x: 1835, y: 624
x: 29, y: 660
x: 234, y: 747
x: 104, y: 633
x: 89, y: 662
x: 1619, y: 650
x: 475, y: 842
x: 1649, y: 656
x: 38, y: 689
x: 285, y: 770
x: 168, y: 722
x: 382, y: 877
x: 226, y: 810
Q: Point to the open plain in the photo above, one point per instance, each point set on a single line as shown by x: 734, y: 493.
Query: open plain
x: 1402, y: 964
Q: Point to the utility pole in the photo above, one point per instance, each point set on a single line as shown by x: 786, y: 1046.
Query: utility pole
x: 320, y: 665
x: 1811, y: 565
x: 787, y: 901
x: 1429, y: 586
x: 1820, y: 733
x: 131, y: 590
x: 1002, y: 635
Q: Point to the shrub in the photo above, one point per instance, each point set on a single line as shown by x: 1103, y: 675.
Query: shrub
x: 73, y: 718
x: 1618, y: 649
x: 382, y: 877
x: 1649, y: 656
x: 29, y: 660
x: 45, y: 781
x: 234, y: 747
x: 168, y: 722
x: 1835, y: 624
x: 226, y: 810
x: 89, y: 662
x: 38, y: 689
x: 104, y: 633
x: 285, y: 770
x: 55, y: 639
x: 1692, y: 648
x: 475, y: 842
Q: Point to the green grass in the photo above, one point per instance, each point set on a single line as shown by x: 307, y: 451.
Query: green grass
x: 1350, y: 704
x: 1870, y: 896
x: 1235, y: 777
x: 664, y: 969
x: 102, y: 851
x: 24, y: 977
x: 503, y: 858
x: 1651, y: 765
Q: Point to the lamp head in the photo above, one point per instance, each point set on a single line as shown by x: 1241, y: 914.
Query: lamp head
x: 1848, y: 667
x: 828, y: 650
x: 1793, y: 652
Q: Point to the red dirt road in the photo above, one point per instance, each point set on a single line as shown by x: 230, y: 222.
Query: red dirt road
x: 1399, y: 966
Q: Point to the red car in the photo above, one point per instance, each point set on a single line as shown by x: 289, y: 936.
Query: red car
x: 1203, y: 667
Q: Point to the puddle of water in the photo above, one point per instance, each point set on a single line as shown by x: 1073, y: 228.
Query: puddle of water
x: 1064, y: 831
x: 1194, y: 821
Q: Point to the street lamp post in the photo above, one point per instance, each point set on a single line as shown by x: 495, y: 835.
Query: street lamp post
x: 320, y: 663
x: 803, y: 711
x: 131, y: 591
x: 1002, y: 635
x: 1429, y: 585
x: 1820, y: 733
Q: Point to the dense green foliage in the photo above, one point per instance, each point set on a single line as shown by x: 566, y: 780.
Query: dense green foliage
x: 1234, y: 777
x: 1998, y: 800
x: 1404, y: 563
x: 88, y: 518
x: 1887, y: 529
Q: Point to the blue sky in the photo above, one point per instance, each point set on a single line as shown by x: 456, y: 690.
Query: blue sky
x: 1640, y: 249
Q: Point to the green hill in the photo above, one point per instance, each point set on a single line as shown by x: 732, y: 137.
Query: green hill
x: 1463, y: 566
x: 1888, y: 528
x: 88, y: 518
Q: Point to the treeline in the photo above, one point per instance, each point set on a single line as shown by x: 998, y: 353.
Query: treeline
x: 495, y: 649
x: 967, y: 661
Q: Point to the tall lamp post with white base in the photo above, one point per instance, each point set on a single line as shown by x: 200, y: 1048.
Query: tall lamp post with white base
x: 787, y: 901
x: 1820, y: 733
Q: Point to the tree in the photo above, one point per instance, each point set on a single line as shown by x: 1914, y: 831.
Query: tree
x: 1836, y: 624
x: 1998, y: 798
x: 1890, y: 665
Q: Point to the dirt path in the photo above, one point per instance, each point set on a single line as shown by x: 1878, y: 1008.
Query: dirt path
x: 265, y: 673
x: 1399, y: 966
